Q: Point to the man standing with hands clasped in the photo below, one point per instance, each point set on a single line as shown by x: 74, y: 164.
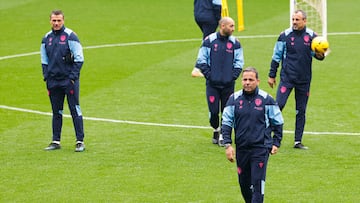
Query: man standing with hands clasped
x: 254, y: 115
x: 62, y: 58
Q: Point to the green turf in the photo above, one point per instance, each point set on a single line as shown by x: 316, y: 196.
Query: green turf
x: 151, y: 83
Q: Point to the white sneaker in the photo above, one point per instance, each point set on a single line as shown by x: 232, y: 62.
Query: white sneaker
x: 79, y: 147
x: 221, y: 141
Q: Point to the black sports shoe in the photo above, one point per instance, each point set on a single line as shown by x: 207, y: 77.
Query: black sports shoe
x: 300, y: 146
x: 215, y: 139
x: 53, y: 146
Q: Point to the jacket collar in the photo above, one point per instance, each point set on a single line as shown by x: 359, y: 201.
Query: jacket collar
x: 221, y: 37
x: 256, y: 91
x: 56, y: 32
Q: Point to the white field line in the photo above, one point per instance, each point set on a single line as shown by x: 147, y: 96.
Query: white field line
x: 156, y: 124
x: 161, y: 42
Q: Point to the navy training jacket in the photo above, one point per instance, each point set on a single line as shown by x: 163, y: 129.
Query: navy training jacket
x: 253, y: 118
x: 293, y: 48
x: 61, y: 55
x: 207, y: 10
x: 220, y: 59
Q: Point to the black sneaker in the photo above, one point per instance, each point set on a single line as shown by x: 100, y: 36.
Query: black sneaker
x: 79, y: 147
x: 300, y: 146
x: 53, y: 146
x: 215, y: 139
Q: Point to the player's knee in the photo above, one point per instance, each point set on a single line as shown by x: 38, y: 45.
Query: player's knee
x: 58, y: 113
x: 300, y: 112
x: 75, y: 111
x: 78, y: 110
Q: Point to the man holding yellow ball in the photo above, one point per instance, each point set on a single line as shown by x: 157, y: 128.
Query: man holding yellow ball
x: 293, y: 50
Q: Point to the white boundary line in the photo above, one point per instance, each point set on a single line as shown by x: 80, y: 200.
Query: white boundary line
x: 104, y: 119
x: 161, y: 42
x: 157, y: 124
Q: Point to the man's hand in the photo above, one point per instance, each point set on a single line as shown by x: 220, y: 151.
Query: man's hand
x: 230, y: 154
x: 274, y: 150
x: 271, y: 82
x: 196, y: 73
x: 319, y: 55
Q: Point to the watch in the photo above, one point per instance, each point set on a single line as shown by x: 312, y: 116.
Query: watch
x: 227, y: 145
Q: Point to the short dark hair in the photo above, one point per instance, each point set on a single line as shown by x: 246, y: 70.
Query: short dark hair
x: 57, y: 12
x: 252, y: 69
x: 302, y: 12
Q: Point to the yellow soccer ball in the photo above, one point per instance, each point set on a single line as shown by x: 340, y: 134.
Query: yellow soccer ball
x: 319, y: 44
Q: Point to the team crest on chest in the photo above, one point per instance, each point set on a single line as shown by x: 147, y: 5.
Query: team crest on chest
x: 229, y: 45
x: 306, y: 38
x: 62, y: 38
x: 258, y: 102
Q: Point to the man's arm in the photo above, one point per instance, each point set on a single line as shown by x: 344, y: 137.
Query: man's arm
x: 238, y: 62
x: 44, y: 59
x: 202, y: 61
x: 227, y: 126
x: 228, y: 119
x: 276, y: 122
x: 78, y: 56
x: 277, y: 57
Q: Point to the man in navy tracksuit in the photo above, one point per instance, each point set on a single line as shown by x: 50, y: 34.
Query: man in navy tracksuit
x: 207, y: 14
x: 62, y: 59
x: 293, y: 48
x: 220, y: 60
x: 254, y: 115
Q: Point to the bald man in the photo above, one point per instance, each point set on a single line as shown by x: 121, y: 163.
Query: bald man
x: 220, y: 60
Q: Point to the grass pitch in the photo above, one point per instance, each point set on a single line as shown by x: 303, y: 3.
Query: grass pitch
x: 146, y: 119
